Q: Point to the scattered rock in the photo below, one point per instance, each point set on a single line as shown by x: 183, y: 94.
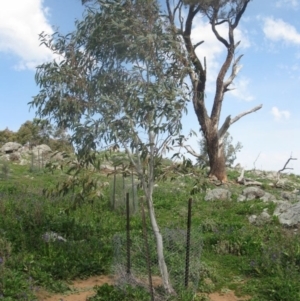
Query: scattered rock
x: 290, y: 196
x: 58, y: 156
x: 241, y: 198
x: 288, y: 214
x: 52, y: 236
x: 271, y: 175
x: 10, y: 147
x: 252, y: 193
x: 280, y: 183
x: 41, y: 150
x: 252, y: 218
x: 268, y: 197
x: 261, y: 219
x: 218, y: 194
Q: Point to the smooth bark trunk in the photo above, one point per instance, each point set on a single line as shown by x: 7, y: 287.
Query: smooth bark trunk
x: 159, y: 248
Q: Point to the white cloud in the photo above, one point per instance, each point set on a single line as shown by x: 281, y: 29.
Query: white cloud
x: 212, y: 49
x: 20, y: 24
x: 241, y: 90
x: 279, y: 115
x: 287, y: 3
x: 278, y: 30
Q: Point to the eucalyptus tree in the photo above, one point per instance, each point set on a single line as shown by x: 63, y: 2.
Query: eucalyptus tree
x: 117, y: 79
x: 230, y: 151
x: 181, y: 16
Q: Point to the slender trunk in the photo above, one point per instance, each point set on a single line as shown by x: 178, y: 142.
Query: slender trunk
x: 148, y: 189
x: 159, y: 248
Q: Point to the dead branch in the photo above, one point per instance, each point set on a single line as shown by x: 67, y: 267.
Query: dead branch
x: 228, y: 121
x: 284, y: 168
x: 252, y: 183
x: 246, y: 181
x: 191, y: 151
x: 235, y: 70
x: 241, y: 179
x: 236, y: 118
x: 198, y: 44
x: 256, y: 160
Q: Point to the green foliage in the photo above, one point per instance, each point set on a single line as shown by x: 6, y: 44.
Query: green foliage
x: 4, y: 170
x: 28, y: 133
x: 38, y: 132
x: 126, y: 84
x: 261, y: 261
x: 115, y: 86
x: 26, y: 216
x: 7, y: 136
x: 83, y: 179
x: 41, y: 131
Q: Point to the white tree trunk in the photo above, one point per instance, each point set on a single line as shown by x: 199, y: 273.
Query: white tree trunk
x: 159, y: 248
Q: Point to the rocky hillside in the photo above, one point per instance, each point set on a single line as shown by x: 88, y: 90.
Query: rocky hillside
x: 25, y: 154
x: 283, y: 190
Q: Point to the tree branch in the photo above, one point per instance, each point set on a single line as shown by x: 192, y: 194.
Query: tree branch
x: 191, y: 151
x: 239, y: 14
x: 213, y: 27
x: 285, y: 165
x: 222, y: 131
x: 198, y: 44
x: 228, y: 121
x: 236, y: 118
x: 284, y: 168
x: 187, y: 38
x: 256, y: 160
x: 235, y: 70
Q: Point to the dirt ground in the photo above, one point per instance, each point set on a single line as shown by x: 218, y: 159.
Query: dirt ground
x: 81, y: 289
x: 228, y: 296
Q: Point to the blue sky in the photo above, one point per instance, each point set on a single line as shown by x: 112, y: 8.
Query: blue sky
x: 270, y: 41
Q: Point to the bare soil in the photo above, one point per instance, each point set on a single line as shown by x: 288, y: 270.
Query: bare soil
x: 228, y: 296
x: 82, y: 289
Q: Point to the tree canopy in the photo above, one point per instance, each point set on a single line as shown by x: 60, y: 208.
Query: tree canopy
x: 118, y: 80
x: 125, y: 75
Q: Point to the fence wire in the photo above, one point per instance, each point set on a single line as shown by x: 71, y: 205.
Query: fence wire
x: 120, y: 187
x: 175, y: 247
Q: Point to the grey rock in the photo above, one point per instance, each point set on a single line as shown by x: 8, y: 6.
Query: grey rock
x: 268, y: 197
x: 281, y: 183
x: 218, y: 194
x: 252, y: 219
x: 52, y: 236
x: 252, y: 193
x: 58, y: 156
x: 288, y: 214
x: 257, y: 172
x: 10, y: 147
x: 290, y: 196
x: 261, y: 219
x: 41, y: 149
x: 241, y: 198
x: 272, y: 175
